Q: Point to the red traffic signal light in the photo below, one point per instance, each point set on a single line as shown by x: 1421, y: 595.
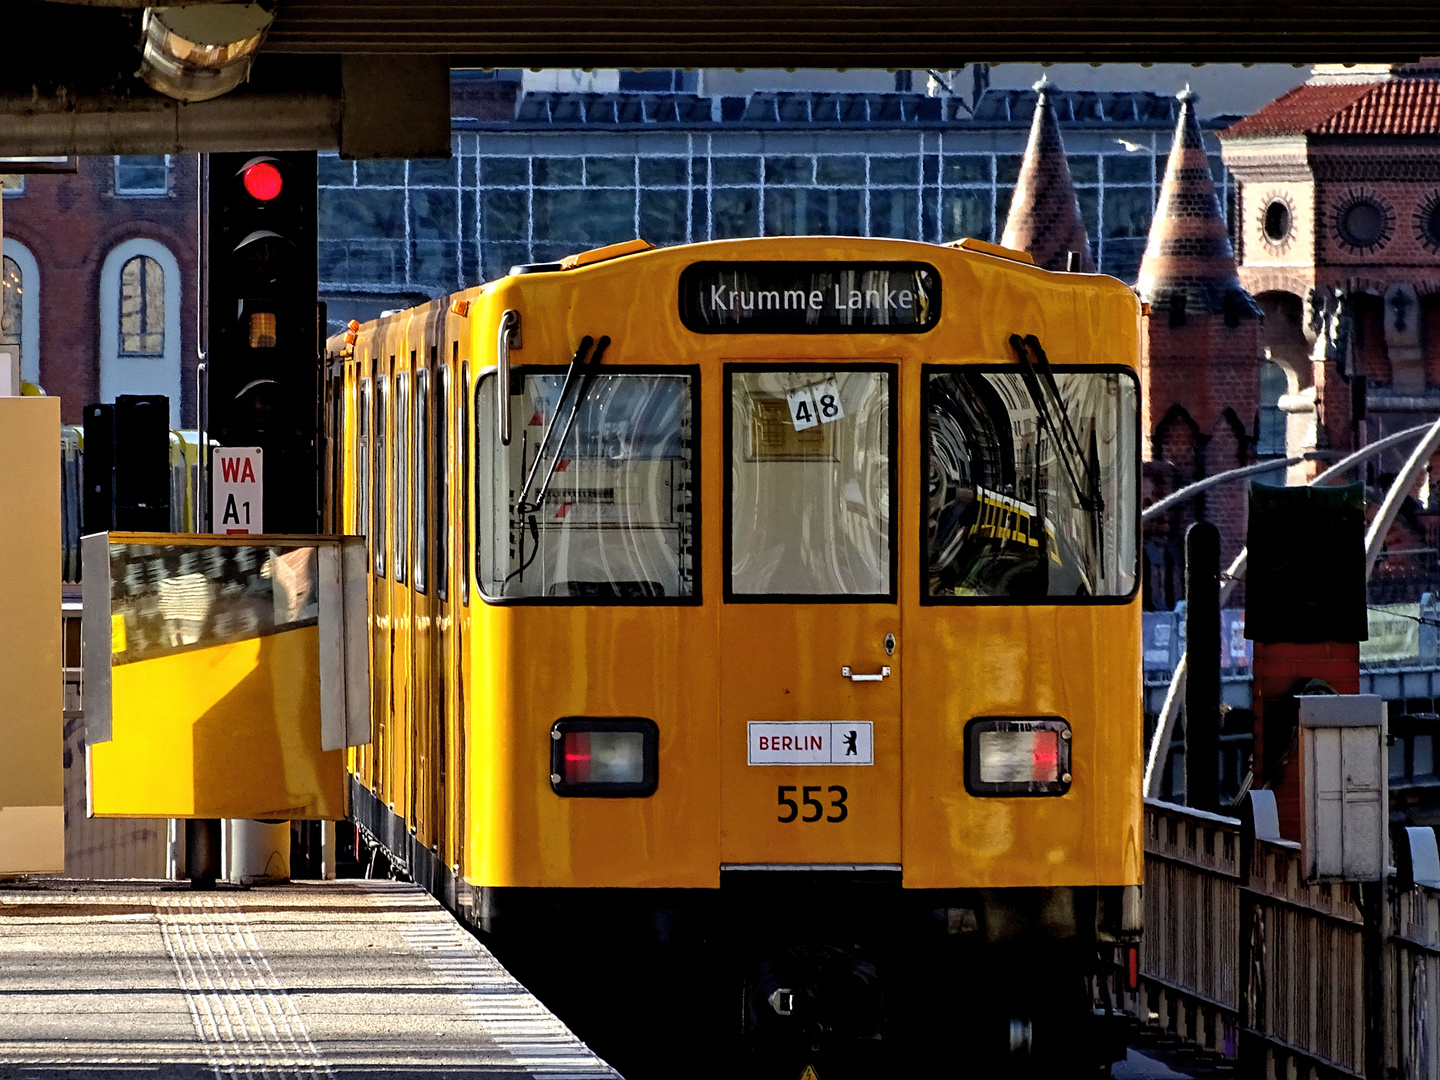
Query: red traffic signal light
x: 263, y: 181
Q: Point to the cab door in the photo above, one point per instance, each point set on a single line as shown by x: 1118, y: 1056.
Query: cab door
x: 810, y: 627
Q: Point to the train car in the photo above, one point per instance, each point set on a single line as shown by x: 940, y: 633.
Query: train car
x: 755, y: 638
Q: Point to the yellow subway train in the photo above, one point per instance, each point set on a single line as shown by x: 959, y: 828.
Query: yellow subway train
x: 755, y: 641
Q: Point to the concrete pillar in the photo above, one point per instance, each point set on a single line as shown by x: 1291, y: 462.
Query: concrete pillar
x: 257, y: 852
x: 329, y: 857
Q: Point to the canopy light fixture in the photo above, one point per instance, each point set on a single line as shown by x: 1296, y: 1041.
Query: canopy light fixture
x: 198, y: 52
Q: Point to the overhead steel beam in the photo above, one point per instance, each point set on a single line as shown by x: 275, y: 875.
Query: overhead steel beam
x: 68, y: 84
x: 860, y: 33
x: 365, y: 107
x: 73, y: 90
x: 826, y: 33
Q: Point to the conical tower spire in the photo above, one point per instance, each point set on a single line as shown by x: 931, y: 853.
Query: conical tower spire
x: 1189, y: 252
x: 1045, y: 217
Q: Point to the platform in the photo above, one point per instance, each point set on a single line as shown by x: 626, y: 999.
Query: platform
x: 316, y: 980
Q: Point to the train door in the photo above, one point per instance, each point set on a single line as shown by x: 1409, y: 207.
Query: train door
x: 810, y: 628
x: 460, y: 785
x: 356, y: 513
x: 443, y: 632
x: 423, y: 643
x: 401, y: 627
x: 380, y: 592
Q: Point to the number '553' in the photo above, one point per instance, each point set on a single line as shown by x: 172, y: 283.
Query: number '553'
x: 814, y: 809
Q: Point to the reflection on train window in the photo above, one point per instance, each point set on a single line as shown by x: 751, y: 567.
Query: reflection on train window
x: 422, y: 479
x: 1031, y: 488
x: 170, y: 598
x: 377, y: 470
x: 401, y: 459
x: 362, y: 461
x: 593, y: 500
x: 811, y: 484
x: 442, y: 483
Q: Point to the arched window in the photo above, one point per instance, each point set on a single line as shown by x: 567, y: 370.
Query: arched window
x: 142, y: 308
x: 20, y: 308
x: 1271, y: 440
x: 140, y: 324
x: 12, y: 290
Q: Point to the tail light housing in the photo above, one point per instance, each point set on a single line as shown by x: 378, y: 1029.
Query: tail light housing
x: 606, y: 758
x: 1017, y: 756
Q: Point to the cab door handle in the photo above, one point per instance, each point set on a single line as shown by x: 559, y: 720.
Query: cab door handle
x: 883, y: 673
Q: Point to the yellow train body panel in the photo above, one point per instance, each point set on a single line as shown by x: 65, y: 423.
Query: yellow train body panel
x: 226, y: 731
x: 468, y: 692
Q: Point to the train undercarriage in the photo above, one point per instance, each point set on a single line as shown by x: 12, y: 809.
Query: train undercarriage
x: 842, y: 971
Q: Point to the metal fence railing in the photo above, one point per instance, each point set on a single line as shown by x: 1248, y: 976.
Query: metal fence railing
x: 1190, y: 952
x: 1412, y: 969
x: 1244, y: 959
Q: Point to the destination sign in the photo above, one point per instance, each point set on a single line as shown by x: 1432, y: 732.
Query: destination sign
x: 809, y: 297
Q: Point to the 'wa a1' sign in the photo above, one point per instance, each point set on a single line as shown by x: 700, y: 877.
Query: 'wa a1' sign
x: 809, y: 297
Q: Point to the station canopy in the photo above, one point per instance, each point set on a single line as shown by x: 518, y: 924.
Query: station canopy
x: 370, y: 77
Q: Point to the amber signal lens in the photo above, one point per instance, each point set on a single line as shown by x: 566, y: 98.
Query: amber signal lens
x: 262, y: 330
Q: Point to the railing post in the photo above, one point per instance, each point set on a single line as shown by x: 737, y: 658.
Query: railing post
x: 1378, y: 992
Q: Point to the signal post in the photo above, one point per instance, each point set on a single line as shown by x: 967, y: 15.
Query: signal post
x: 263, y: 386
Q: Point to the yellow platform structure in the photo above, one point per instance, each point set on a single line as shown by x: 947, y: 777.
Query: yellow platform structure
x: 217, y: 681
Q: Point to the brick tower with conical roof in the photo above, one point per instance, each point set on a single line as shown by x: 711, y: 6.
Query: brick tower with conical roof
x: 1201, y: 352
x: 1044, y: 217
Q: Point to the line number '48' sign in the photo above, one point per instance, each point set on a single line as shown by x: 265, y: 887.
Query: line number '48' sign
x: 237, y: 489
x: 811, y: 405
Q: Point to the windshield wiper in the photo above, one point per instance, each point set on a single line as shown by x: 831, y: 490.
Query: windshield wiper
x: 580, y: 375
x: 1083, y: 469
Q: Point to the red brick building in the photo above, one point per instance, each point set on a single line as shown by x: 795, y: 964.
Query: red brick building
x: 1200, y: 359
x: 100, y: 281
x: 1338, y: 230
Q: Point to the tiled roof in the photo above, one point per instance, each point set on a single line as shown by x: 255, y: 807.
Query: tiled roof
x: 1400, y: 107
x: 1393, y: 107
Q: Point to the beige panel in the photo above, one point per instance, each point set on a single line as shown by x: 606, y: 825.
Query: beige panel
x: 32, y: 788
x: 32, y: 839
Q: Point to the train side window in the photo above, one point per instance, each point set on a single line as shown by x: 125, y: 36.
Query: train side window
x: 362, y: 461
x: 465, y: 445
x: 810, y: 489
x: 1029, y: 500
x: 401, y: 460
x: 378, y: 472
x: 421, y: 473
x: 615, y: 519
x: 442, y: 483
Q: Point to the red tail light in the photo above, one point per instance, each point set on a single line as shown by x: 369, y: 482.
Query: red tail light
x: 604, y: 757
x: 1132, y: 967
x: 1017, y: 756
x: 1045, y: 757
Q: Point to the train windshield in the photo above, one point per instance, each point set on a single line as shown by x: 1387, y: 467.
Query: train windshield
x: 616, y: 522
x: 1030, y: 499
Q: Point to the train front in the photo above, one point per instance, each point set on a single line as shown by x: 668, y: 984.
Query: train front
x: 807, y: 674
